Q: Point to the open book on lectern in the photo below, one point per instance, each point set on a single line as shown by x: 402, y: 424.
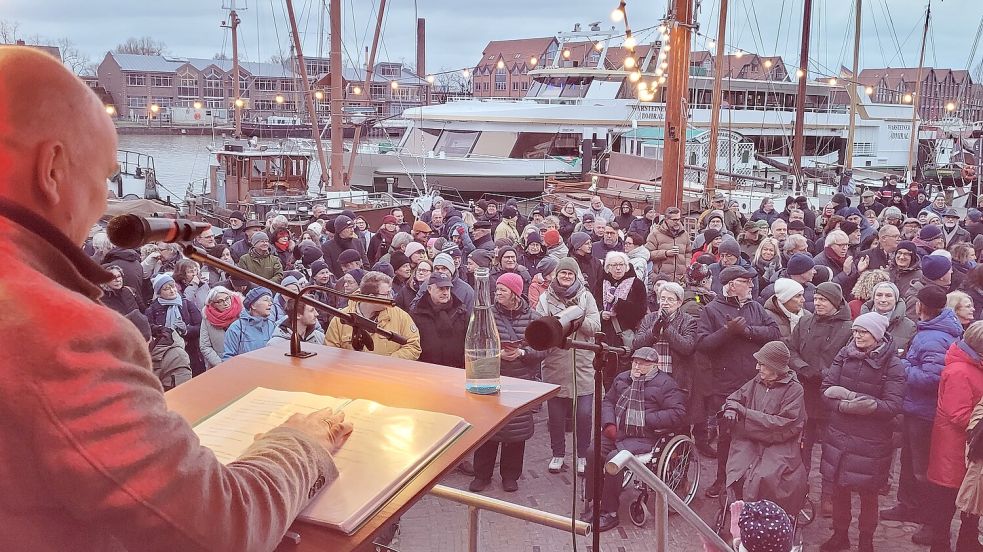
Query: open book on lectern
x: 387, y: 448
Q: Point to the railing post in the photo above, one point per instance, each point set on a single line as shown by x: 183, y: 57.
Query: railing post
x: 473, y: 512
x: 661, y: 523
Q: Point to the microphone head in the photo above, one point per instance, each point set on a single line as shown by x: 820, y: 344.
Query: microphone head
x: 543, y: 333
x: 126, y: 231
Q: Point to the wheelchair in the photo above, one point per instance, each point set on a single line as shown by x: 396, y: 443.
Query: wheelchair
x: 674, y: 460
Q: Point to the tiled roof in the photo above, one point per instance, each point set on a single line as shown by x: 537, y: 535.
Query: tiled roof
x: 513, y: 51
x: 169, y: 64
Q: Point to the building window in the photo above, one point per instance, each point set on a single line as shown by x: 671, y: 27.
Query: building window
x: 188, y: 86
x: 137, y: 102
x: 136, y: 79
x: 214, y: 104
x: 288, y: 86
x: 263, y: 105
x: 377, y: 90
x: 515, y: 85
x: 161, y: 80
x: 500, y: 79
x: 389, y: 70
x: 288, y: 106
x: 163, y: 101
x: 265, y: 85
x: 213, y: 88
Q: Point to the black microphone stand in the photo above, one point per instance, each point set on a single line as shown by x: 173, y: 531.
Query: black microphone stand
x: 602, y: 349
x: 363, y: 327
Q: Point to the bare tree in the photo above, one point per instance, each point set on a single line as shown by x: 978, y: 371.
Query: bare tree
x: 277, y: 59
x: 220, y: 55
x: 9, y: 31
x: 73, y: 58
x: 452, y: 81
x: 144, y: 45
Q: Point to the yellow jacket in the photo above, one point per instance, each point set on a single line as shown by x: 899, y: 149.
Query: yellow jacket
x: 393, y: 319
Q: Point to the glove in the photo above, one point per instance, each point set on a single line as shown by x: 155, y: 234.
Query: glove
x: 837, y: 392
x: 730, y: 415
x: 737, y: 325
x: 611, y: 432
x: 181, y: 328
x: 862, y: 406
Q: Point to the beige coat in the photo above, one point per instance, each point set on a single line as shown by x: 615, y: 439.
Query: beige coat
x: 556, y: 366
x: 93, y: 460
x: 660, y: 241
x: 970, y: 497
x: 393, y: 319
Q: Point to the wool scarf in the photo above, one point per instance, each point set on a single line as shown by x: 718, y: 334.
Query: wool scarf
x: 619, y: 291
x: 568, y: 293
x: 224, y: 319
x: 629, y: 411
x: 173, y: 310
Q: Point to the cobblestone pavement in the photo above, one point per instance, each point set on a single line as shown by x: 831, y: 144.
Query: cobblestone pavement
x: 438, y: 525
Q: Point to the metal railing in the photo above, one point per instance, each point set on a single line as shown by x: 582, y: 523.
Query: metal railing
x: 476, y: 503
x: 664, y: 499
x: 130, y: 161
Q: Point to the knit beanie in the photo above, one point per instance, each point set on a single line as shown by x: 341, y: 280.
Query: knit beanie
x: 890, y: 285
x: 569, y: 263
x: 930, y: 232
x: 709, y: 235
x: 397, y: 259
x: 309, y: 254
x: 316, y: 228
x: 512, y: 281
x: 547, y: 265
x: 786, y: 289
x: 874, y: 323
x: 160, y: 281
x: 349, y: 256
x: 533, y: 237
x: 832, y: 292
x: 910, y: 247
x: 420, y: 226
x: 774, y: 355
x: 401, y: 239
x: 935, y: 266
x: 578, y: 239
x: 552, y: 238
x: 800, y: 263
x: 258, y: 237
x: 317, y: 266
x: 730, y: 246
x: 765, y: 527
x: 287, y: 280
x: 237, y: 215
x: 254, y: 295
x: 932, y: 297
x: 974, y: 214
x: 446, y: 261
x: 385, y: 268
x: 481, y: 257
x: 891, y: 212
x: 848, y: 227
x: 341, y: 223
x: 413, y: 247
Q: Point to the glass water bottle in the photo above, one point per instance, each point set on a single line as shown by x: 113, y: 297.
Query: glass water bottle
x: 482, y: 346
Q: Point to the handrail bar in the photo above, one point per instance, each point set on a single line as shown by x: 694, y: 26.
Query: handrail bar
x: 625, y: 459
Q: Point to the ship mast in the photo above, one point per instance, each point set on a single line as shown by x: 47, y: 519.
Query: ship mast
x: 309, y: 96
x: 855, y: 95
x: 237, y: 103
x: 718, y: 71
x: 798, y: 140
x: 674, y: 140
x: 366, y: 88
x: 916, y: 101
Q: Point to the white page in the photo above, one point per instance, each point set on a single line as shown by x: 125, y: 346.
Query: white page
x: 233, y: 429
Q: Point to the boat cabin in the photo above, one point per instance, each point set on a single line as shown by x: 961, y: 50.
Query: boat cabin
x: 243, y: 175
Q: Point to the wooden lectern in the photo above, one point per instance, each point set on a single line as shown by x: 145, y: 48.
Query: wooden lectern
x: 357, y: 375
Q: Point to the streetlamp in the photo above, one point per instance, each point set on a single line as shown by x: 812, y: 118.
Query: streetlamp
x: 154, y: 109
x: 111, y: 110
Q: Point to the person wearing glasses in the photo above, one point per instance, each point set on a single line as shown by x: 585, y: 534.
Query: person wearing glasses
x: 222, y: 309
x: 864, y: 390
x: 622, y: 308
x: 836, y: 256
x: 670, y: 245
x: 393, y: 319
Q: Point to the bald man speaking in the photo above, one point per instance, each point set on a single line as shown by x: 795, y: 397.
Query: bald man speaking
x: 91, y: 459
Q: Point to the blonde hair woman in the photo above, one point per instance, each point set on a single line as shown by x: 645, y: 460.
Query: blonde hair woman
x: 863, y: 290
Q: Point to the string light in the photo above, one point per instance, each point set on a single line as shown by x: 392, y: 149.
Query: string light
x: 630, y: 42
x: 619, y: 13
x: 739, y: 54
x: 357, y: 90
x: 500, y: 64
x: 197, y: 105
x: 533, y: 61
x: 598, y: 46
x: 659, y: 72
x: 319, y: 95
x: 566, y: 54
x: 869, y: 90
x: 431, y: 78
x: 907, y: 98
x: 394, y: 85
x: 664, y: 65
x: 662, y: 29
x: 711, y: 44
x: 662, y: 79
x: 642, y: 86
x: 951, y: 106
x: 279, y: 99
x: 240, y: 103
x: 832, y: 81
x: 768, y: 64
x: 465, y: 73
x: 634, y: 76
x: 154, y: 107
x: 629, y: 62
x: 666, y: 48
x: 799, y: 74
x: 110, y: 110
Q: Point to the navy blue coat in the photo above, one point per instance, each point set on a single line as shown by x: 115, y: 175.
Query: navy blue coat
x: 665, y: 410
x: 730, y: 354
x: 924, y: 362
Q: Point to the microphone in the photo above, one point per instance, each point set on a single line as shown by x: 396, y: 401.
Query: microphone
x: 552, y: 331
x: 134, y: 231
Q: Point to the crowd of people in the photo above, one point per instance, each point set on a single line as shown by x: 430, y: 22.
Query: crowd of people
x: 850, y: 325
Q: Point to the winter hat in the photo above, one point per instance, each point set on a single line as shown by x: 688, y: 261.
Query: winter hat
x: 258, y: 237
x: 291, y: 279
x: 578, y: 239
x: 512, y: 281
x: 774, y: 355
x: 910, y: 247
x: 482, y: 257
x: 930, y: 232
x: 482, y: 204
x: 414, y: 247
x: 587, y: 217
x: 732, y: 273
x: 238, y: 216
x: 420, y: 226
x: 848, y: 227
x: 765, y: 527
x: 800, y: 263
x: 510, y: 212
x: 546, y: 265
x: 254, y: 295
x: 342, y: 222
x: 348, y: 256
x: 568, y: 263
x: 841, y: 200
x: 823, y: 274
x: 446, y: 261
x: 309, y: 254
x: 696, y: 273
x: 533, y: 237
x: 706, y: 259
x: 832, y: 292
x: 874, y: 323
x: 892, y: 212
x: 709, y: 235
x: 397, y: 259
x: 786, y: 289
x: 943, y: 252
x: 716, y: 213
x: 552, y: 238
x: 797, y: 225
x: 974, y: 215
x: 385, y: 268
x: 317, y: 266
x: 160, y: 281
x: 389, y: 219
x: 932, y: 297
x: 890, y: 285
x: 730, y: 246
x: 935, y: 266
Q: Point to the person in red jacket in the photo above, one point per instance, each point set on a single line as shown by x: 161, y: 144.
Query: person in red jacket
x: 960, y: 389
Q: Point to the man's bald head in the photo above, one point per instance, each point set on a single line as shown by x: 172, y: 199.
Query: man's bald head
x: 57, y: 144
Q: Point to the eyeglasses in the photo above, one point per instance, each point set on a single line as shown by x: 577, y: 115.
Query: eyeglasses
x: 508, y: 257
x: 617, y: 265
x: 859, y: 331
x: 675, y: 219
x: 222, y: 301
x: 841, y: 244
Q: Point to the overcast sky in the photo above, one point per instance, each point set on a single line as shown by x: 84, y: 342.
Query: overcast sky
x: 458, y: 30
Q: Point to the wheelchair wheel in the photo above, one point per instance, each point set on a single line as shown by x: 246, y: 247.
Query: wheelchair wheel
x: 626, y: 477
x: 807, y: 514
x: 638, y: 512
x: 679, y: 467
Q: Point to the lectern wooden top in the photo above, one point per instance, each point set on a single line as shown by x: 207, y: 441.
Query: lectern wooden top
x: 356, y: 375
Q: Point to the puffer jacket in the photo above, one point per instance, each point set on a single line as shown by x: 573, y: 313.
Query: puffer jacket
x: 512, y: 326
x: 283, y: 333
x: 924, y: 362
x: 904, y: 278
x: 442, y: 331
x: 665, y: 409
x: 731, y: 354
x: 659, y: 241
x: 814, y: 344
x: 899, y: 326
x: 556, y: 365
x: 248, y: 333
x: 211, y: 342
x: 857, y: 449
x: 960, y: 390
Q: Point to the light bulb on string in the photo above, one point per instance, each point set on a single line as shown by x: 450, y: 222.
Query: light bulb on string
x: 662, y: 29
x: 642, y: 86
x: 566, y: 54
x: 907, y: 98
x: 659, y: 72
x: 634, y: 76
x: 711, y: 44
x: 500, y: 64
x: 951, y: 106
x: 630, y: 42
x: 598, y: 46
x: 618, y: 14
x: 768, y: 64
x: 739, y: 54
x: 799, y: 73
x: 869, y: 90
x: 662, y: 79
x: 664, y: 65
x: 630, y: 62
x: 832, y: 81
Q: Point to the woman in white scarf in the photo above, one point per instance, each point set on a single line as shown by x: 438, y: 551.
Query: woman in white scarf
x: 786, y: 306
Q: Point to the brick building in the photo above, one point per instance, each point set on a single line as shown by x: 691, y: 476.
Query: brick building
x: 938, y: 88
